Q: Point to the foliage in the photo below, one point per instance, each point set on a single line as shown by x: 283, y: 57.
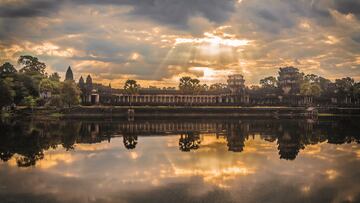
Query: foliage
x: 268, y: 82
x: 25, y: 85
x: 31, y: 65
x: 56, y: 101
x: 218, y: 87
x: 356, y: 90
x: 70, y: 93
x: 6, y: 92
x: 189, y: 85
x: 323, y: 83
x: 55, y: 77
x: 313, y: 85
x: 203, y: 88
x: 310, y: 89
x: 47, y: 85
x: 344, y: 86
x: 7, y: 69
x: 131, y: 87
x: 30, y: 101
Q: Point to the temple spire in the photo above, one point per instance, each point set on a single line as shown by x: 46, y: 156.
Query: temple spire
x: 69, y: 75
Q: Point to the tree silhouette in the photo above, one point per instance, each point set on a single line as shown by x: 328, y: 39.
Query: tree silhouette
x: 130, y: 141
x: 189, y: 141
x: 31, y: 65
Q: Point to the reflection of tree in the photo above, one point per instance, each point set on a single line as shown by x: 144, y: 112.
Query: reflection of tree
x: 69, y: 134
x: 189, y: 141
x: 235, y: 138
x: 30, y: 139
x: 29, y: 159
x: 289, y: 145
x: 5, y: 155
x: 130, y: 141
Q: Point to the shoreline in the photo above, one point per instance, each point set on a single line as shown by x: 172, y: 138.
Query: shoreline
x: 183, y: 112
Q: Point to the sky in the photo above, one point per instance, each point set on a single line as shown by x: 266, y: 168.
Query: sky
x: 158, y: 41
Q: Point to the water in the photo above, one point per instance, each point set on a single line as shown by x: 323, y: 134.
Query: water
x: 209, y: 160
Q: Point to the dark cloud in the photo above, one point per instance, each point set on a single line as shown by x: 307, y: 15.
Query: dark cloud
x: 171, y: 12
x: 348, y: 6
x: 30, y: 8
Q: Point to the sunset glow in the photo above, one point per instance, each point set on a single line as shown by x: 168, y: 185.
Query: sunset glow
x: 123, y: 39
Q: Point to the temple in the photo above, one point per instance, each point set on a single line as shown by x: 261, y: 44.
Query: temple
x: 93, y: 93
x: 235, y: 93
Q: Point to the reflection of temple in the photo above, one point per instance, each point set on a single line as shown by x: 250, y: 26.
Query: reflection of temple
x: 288, y: 146
x: 29, y: 139
x: 236, y: 137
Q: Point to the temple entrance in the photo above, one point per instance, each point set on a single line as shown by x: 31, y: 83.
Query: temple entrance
x: 94, y: 99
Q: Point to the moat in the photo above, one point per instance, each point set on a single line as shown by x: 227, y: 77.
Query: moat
x: 180, y: 160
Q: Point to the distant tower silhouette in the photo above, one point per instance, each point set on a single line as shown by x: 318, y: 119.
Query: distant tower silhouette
x: 88, y: 80
x: 81, y: 82
x: 89, y: 83
x: 69, y: 75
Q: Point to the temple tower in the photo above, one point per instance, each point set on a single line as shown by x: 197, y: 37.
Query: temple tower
x: 236, y: 84
x: 81, y: 82
x: 69, y: 75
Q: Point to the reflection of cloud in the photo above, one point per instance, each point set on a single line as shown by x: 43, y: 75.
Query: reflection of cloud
x: 331, y: 174
x: 216, y: 176
x: 92, y: 147
x: 256, y: 174
x: 134, y: 155
x: 53, y: 159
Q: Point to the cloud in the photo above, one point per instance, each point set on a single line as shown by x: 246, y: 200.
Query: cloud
x: 101, y: 37
x: 32, y: 8
x: 171, y: 12
x: 348, y: 6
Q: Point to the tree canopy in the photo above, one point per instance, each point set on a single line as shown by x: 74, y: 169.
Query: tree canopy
x: 131, y: 87
x: 55, y: 77
x: 7, y: 69
x: 189, y: 85
x: 31, y: 65
x: 70, y: 93
x: 268, y: 82
x: 7, y: 93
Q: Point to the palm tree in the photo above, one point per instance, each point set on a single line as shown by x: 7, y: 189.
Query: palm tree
x: 131, y: 87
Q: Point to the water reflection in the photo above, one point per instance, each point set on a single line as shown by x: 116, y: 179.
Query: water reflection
x: 28, y: 139
x: 209, y: 160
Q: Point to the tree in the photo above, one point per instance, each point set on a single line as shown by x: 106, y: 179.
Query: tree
x: 189, y: 85
x: 310, y: 89
x: 268, y: 82
x: 7, y: 69
x: 6, y: 93
x: 344, y: 86
x: 130, y: 141
x: 218, y: 87
x: 323, y: 83
x: 70, y: 93
x: 55, y: 77
x: 31, y: 65
x: 30, y: 101
x: 47, y: 85
x: 203, y: 88
x: 56, y: 101
x: 131, y: 87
